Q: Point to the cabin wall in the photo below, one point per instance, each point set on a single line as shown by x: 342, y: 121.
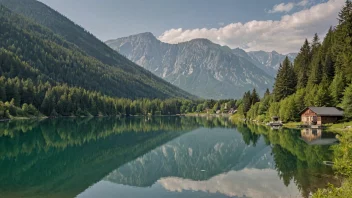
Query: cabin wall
x: 308, y: 117
x: 328, y: 119
x: 311, y: 118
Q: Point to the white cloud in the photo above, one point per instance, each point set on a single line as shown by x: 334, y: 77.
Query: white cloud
x: 245, y: 183
x: 303, y: 3
x: 282, y: 7
x: 284, y: 35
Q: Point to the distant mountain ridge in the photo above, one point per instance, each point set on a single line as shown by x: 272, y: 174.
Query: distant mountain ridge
x: 270, y: 61
x: 198, y: 66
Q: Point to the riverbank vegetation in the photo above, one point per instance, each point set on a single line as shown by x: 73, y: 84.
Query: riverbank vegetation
x: 321, y: 75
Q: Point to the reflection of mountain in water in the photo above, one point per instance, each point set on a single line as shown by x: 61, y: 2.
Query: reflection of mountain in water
x: 256, y: 183
x: 199, y: 155
x: 63, y: 157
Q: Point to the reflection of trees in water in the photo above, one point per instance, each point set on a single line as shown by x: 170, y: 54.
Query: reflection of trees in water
x: 54, y: 157
x: 61, y: 156
x: 54, y: 153
x: 295, y: 160
x: 29, y: 136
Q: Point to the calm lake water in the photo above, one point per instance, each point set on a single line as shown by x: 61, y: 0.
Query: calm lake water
x: 160, y: 157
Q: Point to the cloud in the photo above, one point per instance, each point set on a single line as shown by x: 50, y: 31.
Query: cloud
x: 245, y: 183
x: 284, y: 35
x: 282, y: 7
x: 303, y: 3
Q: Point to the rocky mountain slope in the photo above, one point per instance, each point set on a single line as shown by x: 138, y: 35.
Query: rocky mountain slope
x: 267, y: 61
x: 198, y: 66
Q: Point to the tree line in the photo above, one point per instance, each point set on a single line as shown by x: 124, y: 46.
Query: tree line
x: 24, y: 98
x: 321, y: 75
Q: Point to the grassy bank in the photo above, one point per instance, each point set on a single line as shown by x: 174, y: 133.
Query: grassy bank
x: 342, y: 164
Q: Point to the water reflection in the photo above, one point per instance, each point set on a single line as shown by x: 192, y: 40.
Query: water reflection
x: 317, y: 137
x: 157, y: 157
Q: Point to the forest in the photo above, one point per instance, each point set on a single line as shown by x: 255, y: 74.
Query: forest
x: 32, y: 51
x: 25, y: 98
x: 321, y: 75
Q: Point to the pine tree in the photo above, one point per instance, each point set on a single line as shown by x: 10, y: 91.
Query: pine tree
x: 302, y: 63
x: 322, y: 97
x: 342, y: 48
x: 254, y: 97
x: 2, y: 90
x: 316, y: 72
x: 285, y: 83
x: 315, y: 45
x: 326, y: 56
x: 316, y: 67
x: 336, y: 88
x: 267, y: 92
x: 347, y: 102
x: 246, y: 101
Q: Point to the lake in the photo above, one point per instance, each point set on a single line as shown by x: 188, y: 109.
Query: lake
x: 153, y: 157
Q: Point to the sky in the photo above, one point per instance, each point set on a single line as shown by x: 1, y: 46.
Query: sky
x: 280, y: 25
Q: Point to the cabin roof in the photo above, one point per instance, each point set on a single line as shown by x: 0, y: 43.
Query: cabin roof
x: 325, y: 111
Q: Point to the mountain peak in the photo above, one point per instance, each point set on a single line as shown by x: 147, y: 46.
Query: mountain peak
x: 147, y: 35
x: 274, y: 52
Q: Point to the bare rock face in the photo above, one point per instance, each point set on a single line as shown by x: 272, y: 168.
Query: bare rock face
x: 270, y: 61
x: 198, y: 66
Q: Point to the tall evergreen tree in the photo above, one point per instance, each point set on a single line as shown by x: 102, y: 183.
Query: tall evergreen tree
x: 302, y: 63
x: 247, y: 101
x: 316, y: 67
x: 267, y: 92
x: 347, y: 102
x: 254, y: 97
x: 336, y: 88
x: 342, y: 48
x: 326, y: 56
x: 285, y: 83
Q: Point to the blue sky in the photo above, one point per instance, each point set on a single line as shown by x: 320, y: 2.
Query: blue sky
x: 110, y: 19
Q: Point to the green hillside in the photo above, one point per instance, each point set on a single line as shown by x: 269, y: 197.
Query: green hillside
x: 63, y: 52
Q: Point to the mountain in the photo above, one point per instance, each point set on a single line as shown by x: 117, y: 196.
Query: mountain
x: 198, y: 66
x: 62, y: 52
x: 270, y: 61
x: 186, y: 156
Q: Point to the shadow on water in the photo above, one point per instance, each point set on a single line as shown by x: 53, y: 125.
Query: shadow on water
x: 65, y: 157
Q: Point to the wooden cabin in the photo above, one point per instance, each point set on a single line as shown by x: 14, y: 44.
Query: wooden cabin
x: 320, y: 115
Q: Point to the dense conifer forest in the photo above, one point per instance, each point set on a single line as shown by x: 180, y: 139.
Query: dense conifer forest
x: 321, y: 75
x: 41, y: 73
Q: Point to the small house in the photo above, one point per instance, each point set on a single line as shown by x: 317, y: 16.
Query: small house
x: 320, y: 115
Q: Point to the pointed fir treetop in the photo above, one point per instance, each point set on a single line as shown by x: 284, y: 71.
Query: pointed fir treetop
x: 254, y: 96
x: 345, y: 13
